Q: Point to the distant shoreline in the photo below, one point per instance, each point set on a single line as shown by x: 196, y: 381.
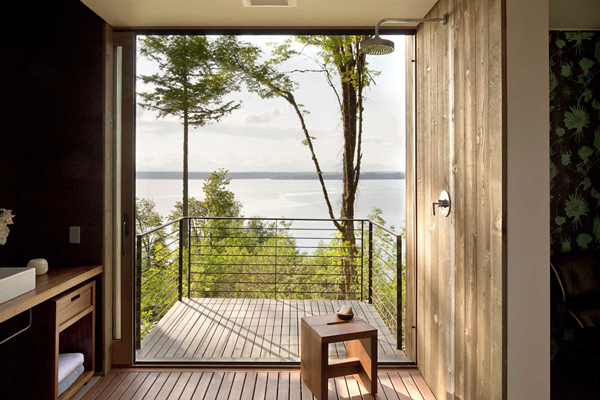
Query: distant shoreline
x: 377, y: 175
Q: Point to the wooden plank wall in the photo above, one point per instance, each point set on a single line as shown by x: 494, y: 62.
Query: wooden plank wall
x: 459, y: 147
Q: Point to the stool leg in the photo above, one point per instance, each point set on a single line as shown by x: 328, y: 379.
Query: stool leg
x: 366, y: 352
x: 320, y: 391
x: 315, y: 359
x: 305, y: 353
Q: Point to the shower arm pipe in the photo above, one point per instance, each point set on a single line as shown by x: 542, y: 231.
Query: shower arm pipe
x: 441, y: 20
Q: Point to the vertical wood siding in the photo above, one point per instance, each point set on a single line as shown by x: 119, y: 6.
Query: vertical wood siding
x: 459, y: 147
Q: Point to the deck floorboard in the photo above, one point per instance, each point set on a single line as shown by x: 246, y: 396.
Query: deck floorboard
x: 251, y: 385
x: 216, y: 329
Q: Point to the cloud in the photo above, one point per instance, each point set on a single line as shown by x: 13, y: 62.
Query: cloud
x: 263, y: 116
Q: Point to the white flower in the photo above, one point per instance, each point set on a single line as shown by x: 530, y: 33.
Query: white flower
x: 8, y: 216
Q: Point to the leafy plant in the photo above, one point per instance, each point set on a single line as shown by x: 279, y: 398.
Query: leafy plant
x: 577, y: 119
x: 576, y: 207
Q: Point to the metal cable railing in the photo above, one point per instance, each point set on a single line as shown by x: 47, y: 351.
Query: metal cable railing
x: 268, y: 258
x: 386, y: 269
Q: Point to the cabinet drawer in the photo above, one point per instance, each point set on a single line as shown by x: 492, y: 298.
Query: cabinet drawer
x: 73, y: 303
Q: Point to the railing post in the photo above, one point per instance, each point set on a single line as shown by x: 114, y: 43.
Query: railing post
x: 181, y: 249
x: 362, y: 255
x: 138, y: 293
x: 370, y: 262
x: 399, y: 332
x: 276, y: 259
x: 189, y: 250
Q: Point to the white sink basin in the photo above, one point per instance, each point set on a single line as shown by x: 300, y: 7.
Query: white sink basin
x: 15, y: 281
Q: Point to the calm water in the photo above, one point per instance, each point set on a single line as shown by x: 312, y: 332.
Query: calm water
x: 286, y: 198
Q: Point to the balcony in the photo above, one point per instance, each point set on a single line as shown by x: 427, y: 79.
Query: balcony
x: 235, y: 289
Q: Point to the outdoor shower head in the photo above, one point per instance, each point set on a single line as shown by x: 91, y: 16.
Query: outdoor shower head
x: 377, y: 46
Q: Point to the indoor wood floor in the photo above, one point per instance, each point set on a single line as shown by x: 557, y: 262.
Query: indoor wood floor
x: 275, y: 385
x: 249, y: 330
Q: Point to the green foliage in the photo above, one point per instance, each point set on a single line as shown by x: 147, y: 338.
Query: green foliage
x: 596, y: 228
x: 256, y: 258
x: 577, y: 119
x: 219, y: 201
x: 340, y: 59
x: 583, y: 240
x: 575, y: 140
x: 190, y: 84
x: 578, y: 38
x: 261, y: 259
x: 576, y: 207
x: 146, y: 216
x: 197, y: 208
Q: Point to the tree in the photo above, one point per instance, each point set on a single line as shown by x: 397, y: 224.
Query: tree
x: 189, y: 86
x: 146, y: 217
x: 219, y: 201
x: 340, y: 59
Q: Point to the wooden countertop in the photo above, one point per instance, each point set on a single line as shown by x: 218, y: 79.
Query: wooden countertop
x: 47, y: 286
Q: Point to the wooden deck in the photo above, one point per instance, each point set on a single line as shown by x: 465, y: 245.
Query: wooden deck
x: 249, y: 330
x: 250, y: 385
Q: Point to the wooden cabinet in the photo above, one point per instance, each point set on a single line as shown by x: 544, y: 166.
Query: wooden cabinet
x: 75, y: 330
x: 74, y: 305
x: 63, y: 313
x: 69, y: 324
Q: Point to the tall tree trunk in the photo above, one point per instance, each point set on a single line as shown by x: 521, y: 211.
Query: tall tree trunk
x: 349, y: 107
x: 184, y: 225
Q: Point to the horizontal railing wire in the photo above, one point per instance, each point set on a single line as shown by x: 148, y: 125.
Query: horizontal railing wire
x: 265, y: 258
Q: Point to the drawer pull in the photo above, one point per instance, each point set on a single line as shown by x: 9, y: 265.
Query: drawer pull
x: 76, y: 297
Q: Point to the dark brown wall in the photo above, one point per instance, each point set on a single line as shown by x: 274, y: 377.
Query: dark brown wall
x: 52, y: 137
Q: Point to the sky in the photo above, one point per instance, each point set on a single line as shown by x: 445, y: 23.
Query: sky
x: 265, y: 135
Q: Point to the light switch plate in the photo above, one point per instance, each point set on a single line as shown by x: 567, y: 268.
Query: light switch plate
x: 74, y: 234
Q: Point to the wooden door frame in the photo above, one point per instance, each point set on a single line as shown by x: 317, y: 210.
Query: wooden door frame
x: 123, y: 352
x: 123, y: 349
x: 410, y: 347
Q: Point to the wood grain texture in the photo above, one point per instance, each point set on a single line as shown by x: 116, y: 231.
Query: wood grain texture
x: 249, y: 385
x: 47, y: 286
x: 105, y: 292
x: 29, y: 362
x: 459, y: 147
x: 73, y: 303
x: 123, y: 349
x: 361, y: 350
x: 246, y: 330
x: 76, y: 330
x: 411, y: 206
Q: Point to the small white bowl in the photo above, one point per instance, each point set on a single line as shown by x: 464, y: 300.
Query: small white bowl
x: 40, y: 265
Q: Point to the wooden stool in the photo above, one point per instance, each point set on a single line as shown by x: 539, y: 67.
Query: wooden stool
x: 361, y: 352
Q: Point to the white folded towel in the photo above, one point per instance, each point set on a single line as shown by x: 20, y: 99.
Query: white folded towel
x: 70, y: 379
x: 67, y: 363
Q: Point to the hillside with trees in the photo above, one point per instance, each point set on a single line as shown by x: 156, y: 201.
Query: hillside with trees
x: 236, y: 257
